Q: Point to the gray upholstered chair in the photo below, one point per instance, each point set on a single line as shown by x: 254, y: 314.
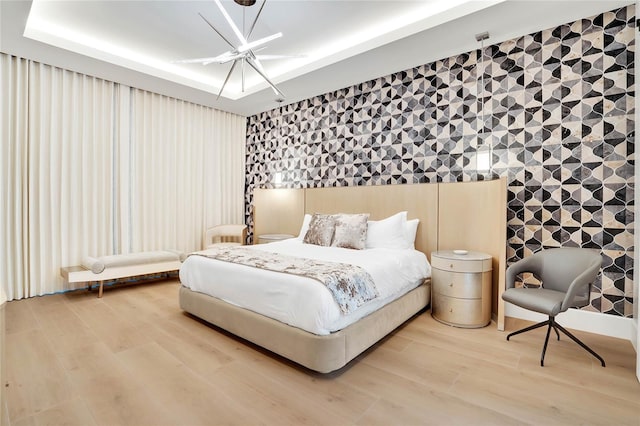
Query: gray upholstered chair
x: 566, y: 275
x: 225, y: 236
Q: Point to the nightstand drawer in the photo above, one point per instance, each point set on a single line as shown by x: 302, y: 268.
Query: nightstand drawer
x: 460, y: 312
x: 459, y: 265
x: 464, y: 285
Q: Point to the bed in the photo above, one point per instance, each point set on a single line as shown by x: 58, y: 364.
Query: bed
x: 321, y: 346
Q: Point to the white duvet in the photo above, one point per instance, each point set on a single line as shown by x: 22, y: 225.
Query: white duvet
x: 300, y: 301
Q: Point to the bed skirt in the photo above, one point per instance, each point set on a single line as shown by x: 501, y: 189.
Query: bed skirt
x: 320, y: 353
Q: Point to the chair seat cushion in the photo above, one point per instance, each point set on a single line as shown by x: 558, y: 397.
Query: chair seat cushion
x: 548, y: 302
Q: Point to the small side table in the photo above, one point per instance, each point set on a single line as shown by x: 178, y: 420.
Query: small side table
x: 269, y: 238
x: 461, y: 288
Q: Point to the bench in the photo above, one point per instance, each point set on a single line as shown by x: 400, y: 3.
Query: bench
x: 101, y: 269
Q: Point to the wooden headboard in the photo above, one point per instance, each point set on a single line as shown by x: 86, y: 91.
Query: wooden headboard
x: 465, y: 215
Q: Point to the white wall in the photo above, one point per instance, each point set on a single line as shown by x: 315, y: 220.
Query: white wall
x: 577, y: 319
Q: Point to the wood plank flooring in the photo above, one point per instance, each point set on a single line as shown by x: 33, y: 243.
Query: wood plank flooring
x: 134, y: 358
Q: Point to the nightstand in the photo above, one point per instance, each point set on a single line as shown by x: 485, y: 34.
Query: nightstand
x: 461, y: 288
x: 269, y: 238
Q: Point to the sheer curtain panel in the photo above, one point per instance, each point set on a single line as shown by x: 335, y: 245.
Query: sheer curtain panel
x: 56, y: 179
x: 187, y: 167
x: 91, y: 167
x: 14, y: 271
x: 70, y: 179
x: 226, y: 159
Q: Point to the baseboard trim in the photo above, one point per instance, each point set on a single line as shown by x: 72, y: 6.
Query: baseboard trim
x: 592, y: 322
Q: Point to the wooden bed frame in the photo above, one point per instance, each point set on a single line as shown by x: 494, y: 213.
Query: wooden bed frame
x: 469, y: 215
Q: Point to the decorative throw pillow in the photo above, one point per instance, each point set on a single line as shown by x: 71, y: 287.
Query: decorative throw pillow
x: 351, y: 231
x: 321, y: 230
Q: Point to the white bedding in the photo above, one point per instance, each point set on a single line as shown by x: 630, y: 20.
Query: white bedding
x: 299, y: 301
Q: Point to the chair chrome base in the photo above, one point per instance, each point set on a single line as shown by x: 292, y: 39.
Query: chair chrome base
x: 551, y: 323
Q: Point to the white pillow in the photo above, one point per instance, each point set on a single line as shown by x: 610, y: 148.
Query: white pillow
x: 411, y: 229
x: 388, y: 233
x: 305, y: 226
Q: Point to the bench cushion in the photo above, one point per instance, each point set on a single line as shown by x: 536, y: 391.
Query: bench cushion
x: 99, y: 264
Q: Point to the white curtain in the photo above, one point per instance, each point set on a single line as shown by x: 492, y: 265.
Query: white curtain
x: 91, y: 167
x: 14, y: 270
x: 187, y: 168
x: 70, y: 159
x: 226, y: 171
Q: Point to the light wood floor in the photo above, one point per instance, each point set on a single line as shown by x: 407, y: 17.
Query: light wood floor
x: 134, y: 358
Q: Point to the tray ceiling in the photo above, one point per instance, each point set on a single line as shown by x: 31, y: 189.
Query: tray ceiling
x: 343, y: 42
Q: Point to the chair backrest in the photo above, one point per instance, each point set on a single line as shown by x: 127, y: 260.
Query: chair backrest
x: 559, y: 267
x: 225, y: 234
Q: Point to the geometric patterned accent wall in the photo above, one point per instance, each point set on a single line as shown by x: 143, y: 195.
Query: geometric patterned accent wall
x: 558, y: 109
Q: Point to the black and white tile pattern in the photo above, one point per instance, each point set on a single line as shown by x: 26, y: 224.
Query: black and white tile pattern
x: 558, y: 108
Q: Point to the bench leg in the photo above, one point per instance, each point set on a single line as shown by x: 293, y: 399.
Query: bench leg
x: 90, y: 286
x: 100, y: 289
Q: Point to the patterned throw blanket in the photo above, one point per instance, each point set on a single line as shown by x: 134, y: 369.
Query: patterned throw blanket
x: 350, y: 285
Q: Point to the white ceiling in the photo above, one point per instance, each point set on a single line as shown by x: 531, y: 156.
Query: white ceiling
x: 344, y: 42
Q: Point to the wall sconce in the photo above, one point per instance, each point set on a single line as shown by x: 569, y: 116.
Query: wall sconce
x: 277, y: 179
x: 483, y: 158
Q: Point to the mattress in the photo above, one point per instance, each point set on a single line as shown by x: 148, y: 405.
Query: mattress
x: 300, y: 301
